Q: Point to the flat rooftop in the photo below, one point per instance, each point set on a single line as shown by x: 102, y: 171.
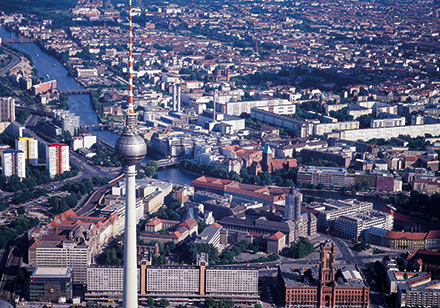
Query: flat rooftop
x: 41, y: 272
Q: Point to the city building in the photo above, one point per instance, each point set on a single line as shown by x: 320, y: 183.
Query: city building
x: 57, y: 158
x: 13, y: 162
x: 276, y: 242
x: 271, y: 164
x: 83, y: 141
x: 68, y: 121
x: 239, y: 284
x: 7, y: 109
x: 72, y: 241
x: 238, y: 191
x: 211, y: 235
x: 105, y: 281
x: 329, y: 211
x: 50, y: 284
x: 169, y: 230
x: 177, y: 282
x: 354, y: 226
x: 330, y: 177
x: 115, y: 205
x: 29, y: 146
x: 387, y: 132
x: 238, y: 107
x: 341, y: 156
x: 325, y: 285
x: 419, y: 293
x: 44, y: 87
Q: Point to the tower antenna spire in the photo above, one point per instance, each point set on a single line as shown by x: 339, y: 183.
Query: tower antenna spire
x: 130, y: 59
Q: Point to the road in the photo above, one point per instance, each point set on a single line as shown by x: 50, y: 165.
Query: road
x: 15, y: 61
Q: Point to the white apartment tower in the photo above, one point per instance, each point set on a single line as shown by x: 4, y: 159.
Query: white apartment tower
x: 13, y: 162
x: 29, y: 146
x: 7, y: 109
x: 57, y: 158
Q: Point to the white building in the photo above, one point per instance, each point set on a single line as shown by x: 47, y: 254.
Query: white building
x: 106, y: 278
x: 57, y: 158
x: 329, y: 211
x: 353, y: 226
x: 29, y: 146
x: 237, y: 108
x: 68, y: 254
x: 13, y: 162
x: 83, y: 141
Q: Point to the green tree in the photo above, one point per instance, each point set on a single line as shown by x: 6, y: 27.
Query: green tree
x: 301, y: 249
x: 150, y: 301
x: 164, y: 302
x: 210, y: 302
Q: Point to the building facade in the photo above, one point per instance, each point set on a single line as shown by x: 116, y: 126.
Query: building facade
x: 50, y: 284
x: 29, y: 146
x: 13, y: 162
x: 325, y: 285
x: 57, y: 158
x: 179, y: 282
x: 7, y: 109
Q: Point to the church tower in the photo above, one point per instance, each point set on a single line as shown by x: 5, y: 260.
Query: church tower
x: 266, y: 162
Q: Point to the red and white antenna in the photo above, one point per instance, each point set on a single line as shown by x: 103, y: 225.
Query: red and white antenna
x: 130, y: 62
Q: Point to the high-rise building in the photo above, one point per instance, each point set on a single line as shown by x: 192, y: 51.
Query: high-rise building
x: 57, y: 158
x: 29, y: 146
x: 7, y: 109
x: 293, y: 204
x: 13, y: 162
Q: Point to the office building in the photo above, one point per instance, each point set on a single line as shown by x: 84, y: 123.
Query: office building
x: 13, y: 162
x: 71, y: 241
x: 50, y: 284
x: 328, y: 176
x: 57, y: 158
x: 29, y: 146
x: 326, y: 285
x: 105, y: 281
x: 354, y: 226
x: 7, y: 109
x: 177, y: 282
x: 328, y: 211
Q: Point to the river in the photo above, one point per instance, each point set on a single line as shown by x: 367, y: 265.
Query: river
x: 81, y: 106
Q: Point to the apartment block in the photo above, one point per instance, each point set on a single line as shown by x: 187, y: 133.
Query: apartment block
x: 29, y: 146
x: 7, y: 109
x: 57, y: 158
x: 69, y: 122
x: 13, y: 162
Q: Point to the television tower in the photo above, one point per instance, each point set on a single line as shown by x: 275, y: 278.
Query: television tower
x: 131, y: 149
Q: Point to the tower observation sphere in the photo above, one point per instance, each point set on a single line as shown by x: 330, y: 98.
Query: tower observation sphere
x: 130, y: 147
